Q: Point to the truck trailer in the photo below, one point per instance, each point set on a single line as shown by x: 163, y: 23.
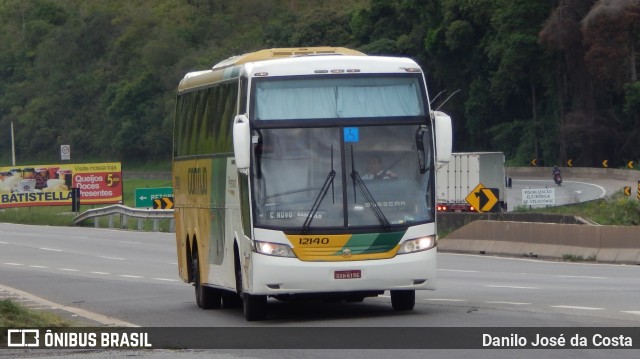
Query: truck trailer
x: 457, y: 179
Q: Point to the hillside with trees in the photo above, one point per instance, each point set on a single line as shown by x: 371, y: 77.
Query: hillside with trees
x: 552, y: 80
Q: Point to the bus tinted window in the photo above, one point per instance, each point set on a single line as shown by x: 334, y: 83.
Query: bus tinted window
x: 344, y: 97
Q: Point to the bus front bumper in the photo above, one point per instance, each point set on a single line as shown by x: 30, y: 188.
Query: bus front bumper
x: 276, y: 275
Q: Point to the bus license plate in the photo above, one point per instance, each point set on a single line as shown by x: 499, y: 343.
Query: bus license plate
x: 347, y: 274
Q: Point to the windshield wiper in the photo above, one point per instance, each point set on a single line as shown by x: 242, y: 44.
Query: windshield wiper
x: 323, y: 192
x: 422, y: 160
x: 358, y: 182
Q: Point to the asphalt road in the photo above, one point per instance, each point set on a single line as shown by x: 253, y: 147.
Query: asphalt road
x: 130, y: 278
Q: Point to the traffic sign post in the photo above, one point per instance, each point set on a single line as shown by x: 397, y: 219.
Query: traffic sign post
x: 145, y: 196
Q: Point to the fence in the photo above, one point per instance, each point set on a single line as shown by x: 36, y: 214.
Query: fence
x: 124, y: 213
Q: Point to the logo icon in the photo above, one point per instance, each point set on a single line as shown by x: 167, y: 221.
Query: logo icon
x: 346, y: 252
x: 23, y: 338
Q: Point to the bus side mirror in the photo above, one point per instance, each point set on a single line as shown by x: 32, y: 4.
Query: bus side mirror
x: 443, y: 136
x: 242, y: 141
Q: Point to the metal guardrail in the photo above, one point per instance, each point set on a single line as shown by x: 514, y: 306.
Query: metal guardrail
x: 125, y: 212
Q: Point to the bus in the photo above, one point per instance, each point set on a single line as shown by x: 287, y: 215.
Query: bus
x: 306, y: 174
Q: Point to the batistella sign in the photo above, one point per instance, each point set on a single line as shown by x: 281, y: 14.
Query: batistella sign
x: 51, y: 185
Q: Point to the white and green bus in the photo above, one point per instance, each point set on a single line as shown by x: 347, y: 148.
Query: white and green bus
x: 306, y: 174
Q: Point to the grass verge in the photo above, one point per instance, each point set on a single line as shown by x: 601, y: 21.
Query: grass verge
x: 617, y: 210
x: 13, y: 315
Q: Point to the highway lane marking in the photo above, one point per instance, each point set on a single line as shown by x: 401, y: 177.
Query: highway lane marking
x: 510, y: 287
x: 41, y: 267
x: 581, y: 277
x: 14, y: 264
x: 101, y: 273
x: 50, y: 249
x: 129, y: 276
x: 4, y: 243
x: 575, y: 307
x: 116, y: 258
x: 165, y: 279
x: 635, y: 312
x: 507, y: 303
x: 68, y: 269
x: 458, y: 270
x: 447, y: 300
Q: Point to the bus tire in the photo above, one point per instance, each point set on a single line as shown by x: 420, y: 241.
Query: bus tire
x: 402, y: 300
x: 254, y: 307
x: 206, y: 297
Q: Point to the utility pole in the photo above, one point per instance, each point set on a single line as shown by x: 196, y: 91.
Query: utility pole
x: 13, y: 147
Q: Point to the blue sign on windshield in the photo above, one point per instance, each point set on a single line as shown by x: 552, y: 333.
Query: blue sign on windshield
x: 351, y: 134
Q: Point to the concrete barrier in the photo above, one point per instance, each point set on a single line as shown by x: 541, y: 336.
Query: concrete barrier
x: 612, y: 244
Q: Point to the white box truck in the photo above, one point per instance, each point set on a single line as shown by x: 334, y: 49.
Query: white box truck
x: 463, y: 173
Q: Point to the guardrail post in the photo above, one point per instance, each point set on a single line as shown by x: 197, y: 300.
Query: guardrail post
x: 156, y: 225
x: 124, y: 221
x: 96, y: 222
x: 111, y: 221
x: 172, y: 225
x: 140, y: 224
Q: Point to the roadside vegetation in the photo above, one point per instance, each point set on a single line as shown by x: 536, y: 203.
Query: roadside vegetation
x: 616, y: 210
x: 14, y: 315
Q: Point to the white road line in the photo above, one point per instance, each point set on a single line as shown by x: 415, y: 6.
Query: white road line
x: 34, y: 266
x: 51, y: 249
x: 130, y: 276
x: 510, y: 287
x: 165, y: 279
x: 14, y: 264
x: 102, y: 273
x: 4, y: 243
x: 130, y: 242
x: 116, y: 258
x: 68, y: 269
x: 635, y: 312
x: 574, y: 307
x: 507, y: 303
x: 446, y: 300
x: 458, y: 270
x: 581, y: 276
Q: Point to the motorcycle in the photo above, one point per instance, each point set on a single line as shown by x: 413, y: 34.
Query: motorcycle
x: 557, y: 178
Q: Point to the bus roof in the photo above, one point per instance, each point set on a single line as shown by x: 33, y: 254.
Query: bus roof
x: 269, y: 54
x: 230, y: 68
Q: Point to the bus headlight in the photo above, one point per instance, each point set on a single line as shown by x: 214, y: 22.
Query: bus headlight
x: 417, y: 245
x: 274, y: 249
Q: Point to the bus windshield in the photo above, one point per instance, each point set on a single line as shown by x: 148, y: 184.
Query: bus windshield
x: 337, y: 177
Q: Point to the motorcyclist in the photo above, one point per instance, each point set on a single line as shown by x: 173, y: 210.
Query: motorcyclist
x: 555, y: 173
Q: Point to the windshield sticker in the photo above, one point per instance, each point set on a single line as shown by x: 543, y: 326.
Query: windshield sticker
x: 351, y: 134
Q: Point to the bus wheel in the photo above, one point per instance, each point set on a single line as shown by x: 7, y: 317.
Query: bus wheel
x: 403, y: 299
x: 206, y: 297
x: 254, y: 306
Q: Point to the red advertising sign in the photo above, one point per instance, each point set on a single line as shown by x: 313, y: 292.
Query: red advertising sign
x: 50, y: 185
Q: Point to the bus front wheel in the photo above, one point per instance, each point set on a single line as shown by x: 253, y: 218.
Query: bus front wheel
x: 402, y: 300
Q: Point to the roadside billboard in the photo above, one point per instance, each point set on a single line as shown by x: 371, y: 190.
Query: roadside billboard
x: 50, y: 185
